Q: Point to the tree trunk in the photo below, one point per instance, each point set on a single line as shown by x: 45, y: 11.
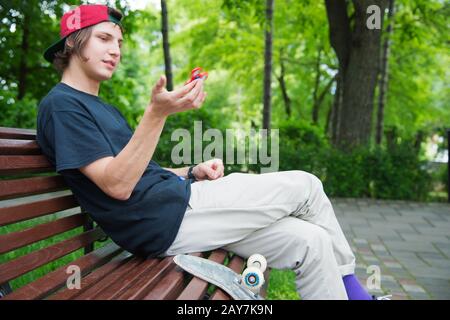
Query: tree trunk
x: 358, y: 51
x: 315, y: 113
x: 166, y: 45
x: 23, y: 68
x: 336, y: 109
x: 268, y: 65
x: 383, y: 83
x: 286, y: 99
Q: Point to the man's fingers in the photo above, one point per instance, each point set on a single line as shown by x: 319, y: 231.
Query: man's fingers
x: 160, y: 84
x: 188, y: 100
x: 184, y: 90
x: 199, y: 100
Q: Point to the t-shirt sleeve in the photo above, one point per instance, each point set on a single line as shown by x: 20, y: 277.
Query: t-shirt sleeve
x: 77, y: 140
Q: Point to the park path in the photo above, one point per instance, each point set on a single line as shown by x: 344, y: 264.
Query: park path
x: 408, y: 241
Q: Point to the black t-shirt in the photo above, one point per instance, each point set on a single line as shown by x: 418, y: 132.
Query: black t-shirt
x: 75, y: 128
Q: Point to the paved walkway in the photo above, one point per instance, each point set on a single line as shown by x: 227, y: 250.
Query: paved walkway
x: 408, y: 241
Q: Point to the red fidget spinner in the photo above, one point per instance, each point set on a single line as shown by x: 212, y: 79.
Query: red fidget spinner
x: 197, y: 74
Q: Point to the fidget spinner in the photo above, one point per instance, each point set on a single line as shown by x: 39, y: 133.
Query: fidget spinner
x: 197, y: 73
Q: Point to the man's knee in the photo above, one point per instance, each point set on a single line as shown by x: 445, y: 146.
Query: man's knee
x: 313, y: 240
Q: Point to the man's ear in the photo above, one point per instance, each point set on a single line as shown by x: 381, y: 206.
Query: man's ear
x: 69, y: 43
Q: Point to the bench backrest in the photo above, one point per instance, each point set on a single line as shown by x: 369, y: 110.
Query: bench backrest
x: 30, y: 213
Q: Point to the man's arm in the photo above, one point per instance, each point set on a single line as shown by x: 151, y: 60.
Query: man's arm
x: 182, y: 172
x: 117, y: 176
x: 209, y: 170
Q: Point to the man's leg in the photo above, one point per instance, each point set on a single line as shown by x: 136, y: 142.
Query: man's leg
x: 305, y: 248
x: 319, y: 211
x: 228, y: 209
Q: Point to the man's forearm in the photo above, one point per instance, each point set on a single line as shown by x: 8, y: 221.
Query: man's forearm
x: 124, y: 171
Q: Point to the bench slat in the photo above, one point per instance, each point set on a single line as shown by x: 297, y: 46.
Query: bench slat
x: 17, y: 267
x: 15, y: 188
x: 197, y: 287
x: 116, y: 275
x: 47, y: 284
x: 236, y: 264
x: 167, y: 288
x: 21, y: 164
x: 19, y: 147
x: 140, y: 281
x: 36, y: 209
x: 14, y: 240
x: 146, y: 280
x: 94, y: 277
x: 171, y: 285
x: 17, y: 133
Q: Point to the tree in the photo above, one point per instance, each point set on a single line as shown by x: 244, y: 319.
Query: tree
x: 357, y: 46
x: 166, y: 45
x: 384, y: 72
x: 268, y: 65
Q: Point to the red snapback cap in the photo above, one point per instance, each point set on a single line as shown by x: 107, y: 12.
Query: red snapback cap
x: 76, y: 19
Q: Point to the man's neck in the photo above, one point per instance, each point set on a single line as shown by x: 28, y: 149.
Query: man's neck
x: 78, y: 80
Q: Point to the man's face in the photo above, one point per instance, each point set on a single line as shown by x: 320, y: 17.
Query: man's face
x: 103, y: 51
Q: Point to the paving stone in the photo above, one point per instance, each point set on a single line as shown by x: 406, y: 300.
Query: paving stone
x: 432, y: 230
x: 426, y: 281
x: 411, y: 246
x: 399, y: 297
x: 394, y: 265
x: 431, y: 272
x: 409, y: 288
x: 424, y: 238
x: 412, y: 262
x: 360, y: 241
x: 378, y: 247
x: 365, y: 251
x: 406, y: 219
x: 439, y: 263
x: 440, y: 295
x: 388, y: 278
x: 392, y: 237
x: 389, y: 286
x: 419, y: 295
x: 370, y: 259
x: 383, y: 254
x: 364, y: 232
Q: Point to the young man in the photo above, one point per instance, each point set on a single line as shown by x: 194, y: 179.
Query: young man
x: 152, y: 211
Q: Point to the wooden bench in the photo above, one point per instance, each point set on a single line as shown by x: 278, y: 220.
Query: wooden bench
x: 31, y: 192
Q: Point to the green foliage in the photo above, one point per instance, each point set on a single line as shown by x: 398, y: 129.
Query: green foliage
x: 227, y: 39
x: 282, y: 285
x: 20, y: 113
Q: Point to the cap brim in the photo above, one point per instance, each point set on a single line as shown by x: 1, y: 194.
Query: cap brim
x: 49, y: 54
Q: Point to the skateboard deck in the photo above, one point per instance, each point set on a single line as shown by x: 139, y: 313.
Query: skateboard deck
x: 217, y: 274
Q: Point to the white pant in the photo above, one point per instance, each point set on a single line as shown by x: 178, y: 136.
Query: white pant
x: 284, y: 216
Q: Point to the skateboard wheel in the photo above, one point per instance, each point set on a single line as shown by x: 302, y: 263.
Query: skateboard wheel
x: 257, y: 260
x: 253, y: 279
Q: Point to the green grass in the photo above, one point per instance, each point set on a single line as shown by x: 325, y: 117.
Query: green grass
x: 282, y: 285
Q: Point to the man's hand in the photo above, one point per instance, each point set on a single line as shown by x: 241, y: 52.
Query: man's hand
x: 164, y: 103
x: 209, y: 170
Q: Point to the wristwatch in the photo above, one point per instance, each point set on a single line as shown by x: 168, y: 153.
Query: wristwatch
x: 190, y: 175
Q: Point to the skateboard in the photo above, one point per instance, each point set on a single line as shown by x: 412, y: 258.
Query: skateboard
x: 239, y: 287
